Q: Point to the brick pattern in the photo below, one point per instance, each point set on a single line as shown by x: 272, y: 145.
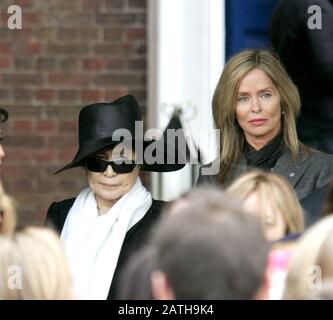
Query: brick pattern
x: 68, y: 54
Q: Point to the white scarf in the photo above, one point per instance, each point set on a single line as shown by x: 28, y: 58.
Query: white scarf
x: 92, y: 243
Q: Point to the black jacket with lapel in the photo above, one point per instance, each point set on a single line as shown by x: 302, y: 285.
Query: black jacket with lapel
x: 135, y: 237
x: 308, y: 173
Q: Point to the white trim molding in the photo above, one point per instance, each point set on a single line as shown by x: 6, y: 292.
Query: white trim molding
x: 185, y: 59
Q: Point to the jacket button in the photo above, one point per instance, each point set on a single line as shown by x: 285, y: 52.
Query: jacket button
x: 292, y: 174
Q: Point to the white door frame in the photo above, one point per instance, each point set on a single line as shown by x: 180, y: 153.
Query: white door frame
x: 186, y: 45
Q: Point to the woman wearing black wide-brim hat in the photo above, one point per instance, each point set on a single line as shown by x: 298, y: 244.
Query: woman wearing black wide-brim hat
x: 111, y: 218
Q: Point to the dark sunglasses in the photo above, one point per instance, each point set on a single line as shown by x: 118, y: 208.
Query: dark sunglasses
x: 100, y: 165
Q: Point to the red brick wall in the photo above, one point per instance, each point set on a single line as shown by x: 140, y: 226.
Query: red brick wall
x: 68, y: 54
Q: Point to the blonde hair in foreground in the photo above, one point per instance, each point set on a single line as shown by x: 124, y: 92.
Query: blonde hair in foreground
x: 273, y: 191
x: 7, y: 212
x: 33, y: 266
x: 224, y: 103
x: 312, y: 261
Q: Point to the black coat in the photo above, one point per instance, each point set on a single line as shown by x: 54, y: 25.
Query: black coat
x: 313, y: 204
x: 308, y: 57
x: 135, y: 237
x: 307, y: 174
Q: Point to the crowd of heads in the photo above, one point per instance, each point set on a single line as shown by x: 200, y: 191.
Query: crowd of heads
x: 209, y: 245
x: 209, y: 250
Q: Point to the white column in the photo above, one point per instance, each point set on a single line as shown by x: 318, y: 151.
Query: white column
x: 186, y: 56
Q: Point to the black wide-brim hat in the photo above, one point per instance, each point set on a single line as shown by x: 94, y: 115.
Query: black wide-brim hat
x: 3, y: 115
x: 98, y: 127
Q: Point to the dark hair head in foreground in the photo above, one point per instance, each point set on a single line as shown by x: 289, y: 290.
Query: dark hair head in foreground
x: 135, y: 279
x: 210, y: 250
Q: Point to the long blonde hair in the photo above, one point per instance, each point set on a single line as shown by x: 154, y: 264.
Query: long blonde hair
x: 312, y: 258
x: 7, y: 212
x: 273, y: 191
x: 224, y: 102
x: 36, y: 257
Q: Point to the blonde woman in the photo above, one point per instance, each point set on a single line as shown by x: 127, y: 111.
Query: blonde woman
x: 312, y: 262
x: 255, y: 105
x: 271, y: 197
x: 33, y: 266
x: 7, y: 213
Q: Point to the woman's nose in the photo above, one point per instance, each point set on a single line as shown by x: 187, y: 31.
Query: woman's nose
x: 109, y: 171
x: 256, y: 105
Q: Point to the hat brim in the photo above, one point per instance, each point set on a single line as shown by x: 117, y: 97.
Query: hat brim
x: 177, y: 162
x: 3, y: 115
